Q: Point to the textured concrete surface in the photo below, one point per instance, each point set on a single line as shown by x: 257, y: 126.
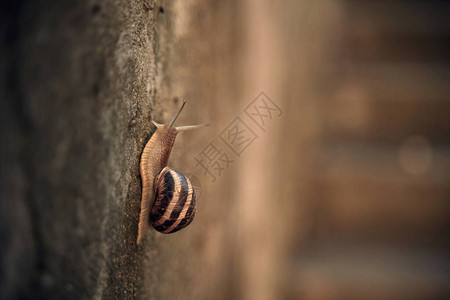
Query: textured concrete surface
x: 74, y: 74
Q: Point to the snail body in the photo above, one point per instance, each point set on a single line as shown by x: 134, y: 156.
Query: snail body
x: 168, y: 198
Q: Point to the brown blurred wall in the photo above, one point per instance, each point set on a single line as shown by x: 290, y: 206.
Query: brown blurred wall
x: 345, y: 195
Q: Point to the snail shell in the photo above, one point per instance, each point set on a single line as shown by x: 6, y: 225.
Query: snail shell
x: 174, y: 207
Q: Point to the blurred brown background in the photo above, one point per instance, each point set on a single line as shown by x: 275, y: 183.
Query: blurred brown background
x: 343, y: 196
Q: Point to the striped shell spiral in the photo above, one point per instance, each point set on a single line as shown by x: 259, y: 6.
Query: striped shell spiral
x: 174, y: 206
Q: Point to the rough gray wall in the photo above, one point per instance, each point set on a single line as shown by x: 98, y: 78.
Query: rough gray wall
x: 73, y: 76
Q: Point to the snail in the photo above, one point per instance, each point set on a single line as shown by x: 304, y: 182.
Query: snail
x: 168, y: 198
